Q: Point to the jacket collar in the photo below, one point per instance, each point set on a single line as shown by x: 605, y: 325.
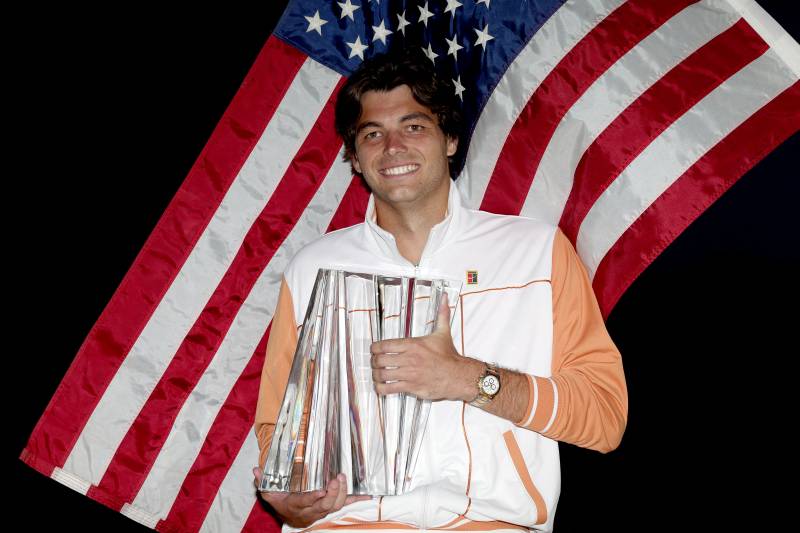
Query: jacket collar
x: 440, y: 234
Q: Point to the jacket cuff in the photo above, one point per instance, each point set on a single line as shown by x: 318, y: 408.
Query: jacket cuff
x: 542, y: 404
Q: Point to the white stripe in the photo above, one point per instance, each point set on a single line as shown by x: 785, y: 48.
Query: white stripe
x: 773, y: 34
x: 198, y: 412
x: 202, y: 272
x: 236, y: 495
x: 675, y: 151
x: 549, y: 45
x: 555, y: 407
x: 139, y: 515
x: 70, y: 480
x: 529, y: 421
x: 612, y: 93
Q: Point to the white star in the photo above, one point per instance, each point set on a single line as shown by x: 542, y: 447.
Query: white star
x: 315, y: 23
x: 452, y: 5
x: 483, y: 36
x: 402, y: 23
x: 357, y: 48
x: 430, y: 53
x: 484, y: 2
x: 453, y: 47
x: 459, y: 88
x: 347, y: 10
x: 424, y: 14
x: 380, y: 33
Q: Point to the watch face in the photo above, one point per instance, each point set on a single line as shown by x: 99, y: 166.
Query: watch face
x: 490, y: 385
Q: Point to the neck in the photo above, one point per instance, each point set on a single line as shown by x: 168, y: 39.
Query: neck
x: 411, y: 224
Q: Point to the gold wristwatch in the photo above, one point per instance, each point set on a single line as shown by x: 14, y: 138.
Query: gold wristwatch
x: 488, y: 386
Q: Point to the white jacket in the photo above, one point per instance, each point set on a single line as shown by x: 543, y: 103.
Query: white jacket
x: 532, y: 310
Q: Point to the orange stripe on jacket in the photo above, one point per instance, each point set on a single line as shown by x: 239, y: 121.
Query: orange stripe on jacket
x: 525, y: 477
x: 591, y: 406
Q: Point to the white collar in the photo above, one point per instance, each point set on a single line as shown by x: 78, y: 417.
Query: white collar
x: 436, y: 238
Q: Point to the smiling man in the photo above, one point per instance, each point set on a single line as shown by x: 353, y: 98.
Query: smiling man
x: 528, y: 361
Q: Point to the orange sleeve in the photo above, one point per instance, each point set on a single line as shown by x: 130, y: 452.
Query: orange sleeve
x: 275, y: 373
x: 585, y: 401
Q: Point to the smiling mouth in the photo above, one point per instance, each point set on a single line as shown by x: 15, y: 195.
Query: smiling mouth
x: 399, y: 170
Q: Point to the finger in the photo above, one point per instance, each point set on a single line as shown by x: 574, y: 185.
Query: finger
x: 443, y: 316
x: 257, y: 475
x: 390, y: 346
x: 389, y: 361
x: 380, y: 375
x: 392, y: 388
x: 324, y: 504
x: 352, y: 498
x: 276, y: 499
x: 381, y: 361
x: 342, y: 496
x: 300, y: 501
x: 390, y: 375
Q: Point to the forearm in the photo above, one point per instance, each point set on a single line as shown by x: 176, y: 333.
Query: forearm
x: 586, y: 408
x: 511, y: 402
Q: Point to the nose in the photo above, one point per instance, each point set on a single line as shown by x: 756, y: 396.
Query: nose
x: 393, y: 143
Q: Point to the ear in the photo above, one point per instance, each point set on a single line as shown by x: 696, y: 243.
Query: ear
x: 452, y: 145
x: 355, y: 163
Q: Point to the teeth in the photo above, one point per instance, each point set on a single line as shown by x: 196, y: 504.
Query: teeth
x: 394, y: 171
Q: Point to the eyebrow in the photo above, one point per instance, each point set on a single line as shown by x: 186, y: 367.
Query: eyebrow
x: 417, y: 115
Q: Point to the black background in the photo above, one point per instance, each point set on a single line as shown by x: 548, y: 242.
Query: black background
x: 109, y: 110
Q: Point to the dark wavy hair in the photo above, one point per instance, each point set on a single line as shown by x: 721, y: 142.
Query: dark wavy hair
x: 384, y: 72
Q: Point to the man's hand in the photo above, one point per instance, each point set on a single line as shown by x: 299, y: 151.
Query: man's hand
x: 301, y: 509
x: 428, y: 367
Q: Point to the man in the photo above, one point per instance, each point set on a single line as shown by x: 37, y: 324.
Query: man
x: 490, y: 457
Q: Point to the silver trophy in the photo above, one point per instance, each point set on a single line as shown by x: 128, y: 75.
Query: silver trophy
x: 331, y: 420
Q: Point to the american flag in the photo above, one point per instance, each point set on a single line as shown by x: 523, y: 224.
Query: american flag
x: 601, y: 116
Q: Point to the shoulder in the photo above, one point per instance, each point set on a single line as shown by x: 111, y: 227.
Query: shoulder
x: 323, y: 251
x: 514, y: 228
x: 328, y: 244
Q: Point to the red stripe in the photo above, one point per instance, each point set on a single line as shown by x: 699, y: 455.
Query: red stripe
x: 138, y: 450
x: 162, y: 256
x: 693, y: 192
x: 657, y: 108
x: 350, y: 211
x: 577, y: 71
x: 233, y: 425
x: 353, y: 206
x: 260, y: 521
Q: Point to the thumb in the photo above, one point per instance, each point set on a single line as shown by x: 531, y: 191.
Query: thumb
x: 443, y: 316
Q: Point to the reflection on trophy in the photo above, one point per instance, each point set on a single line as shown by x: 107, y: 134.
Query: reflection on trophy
x: 331, y: 420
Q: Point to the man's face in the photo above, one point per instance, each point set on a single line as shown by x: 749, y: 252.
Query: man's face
x: 400, y: 149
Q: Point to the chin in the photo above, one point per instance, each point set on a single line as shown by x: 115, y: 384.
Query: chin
x: 398, y: 196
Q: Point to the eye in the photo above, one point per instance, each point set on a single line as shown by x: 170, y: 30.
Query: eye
x: 416, y: 127
x: 372, y: 135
